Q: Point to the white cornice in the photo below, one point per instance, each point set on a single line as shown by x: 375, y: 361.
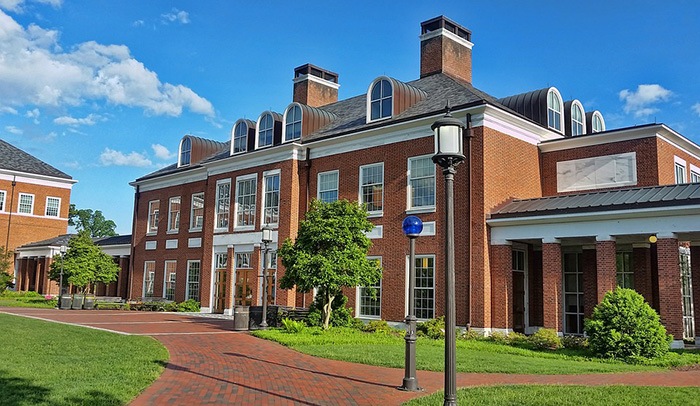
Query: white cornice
x: 35, y: 179
x: 256, y: 158
x: 312, y: 78
x: 514, y: 125
x: 171, y: 179
x: 449, y: 34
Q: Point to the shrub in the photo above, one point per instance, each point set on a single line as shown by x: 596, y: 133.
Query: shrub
x: 470, y: 335
x: 545, y: 339
x: 292, y: 326
x: 190, y: 305
x: 574, y: 342
x: 623, y: 325
x: 341, y: 315
x: 382, y: 327
x: 434, y: 328
x: 514, y: 338
x: 498, y: 337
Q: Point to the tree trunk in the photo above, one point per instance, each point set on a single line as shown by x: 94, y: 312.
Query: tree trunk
x: 327, y: 309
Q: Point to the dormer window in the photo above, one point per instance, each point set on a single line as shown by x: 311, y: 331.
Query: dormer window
x: 578, y: 123
x: 266, y: 128
x: 240, y: 138
x: 292, y: 127
x: 185, y: 151
x: 381, y: 100
x: 554, y: 110
x: 597, y: 123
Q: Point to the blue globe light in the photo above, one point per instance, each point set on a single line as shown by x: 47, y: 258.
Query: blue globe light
x: 412, y: 226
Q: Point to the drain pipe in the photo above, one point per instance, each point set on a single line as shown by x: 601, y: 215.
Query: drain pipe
x: 469, y: 214
x: 130, y: 275
x: 307, y: 165
x: 9, y: 219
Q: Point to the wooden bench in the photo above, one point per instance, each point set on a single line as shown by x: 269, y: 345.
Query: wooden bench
x: 110, y: 303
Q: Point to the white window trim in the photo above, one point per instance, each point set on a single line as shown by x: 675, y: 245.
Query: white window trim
x: 406, y: 282
x: 257, y: 131
x: 374, y: 213
x: 694, y: 171
x: 235, y: 204
x: 233, y: 134
x: 58, y: 209
x: 187, y: 279
x: 561, y: 110
x: 179, y: 153
x: 4, y: 201
x: 170, y: 205
x: 220, y: 182
x: 318, y: 183
x: 358, y: 290
x: 583, y: 118
x: 422, y: 209
x: 19, y: 203
x: 145, y: 273
x: 192, y: 216
x: 602, y: 121
x: 148, y: 218
x: 369, y: 99
x: 265, y: 174
x: 680, y: 163
x: 165, y: 275
x: 284, y: 123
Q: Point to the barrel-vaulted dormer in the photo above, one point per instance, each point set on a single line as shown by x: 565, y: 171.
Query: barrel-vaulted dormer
x: 300, y: 120
x: 193, y: 149
x: 388, y: 97
x: 574, y: 118
x: 544, y: 106
x: 595, y: 122
x: 268, y: 130
x: 242, y: 136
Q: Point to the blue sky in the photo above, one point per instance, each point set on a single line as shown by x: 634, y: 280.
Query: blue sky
x: 104, y: 90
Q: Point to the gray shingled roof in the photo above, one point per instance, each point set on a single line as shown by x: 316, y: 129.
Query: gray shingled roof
x: 625, y: 199
x: 116, y: 240
x: 14, y: 159
x: 63, y: 240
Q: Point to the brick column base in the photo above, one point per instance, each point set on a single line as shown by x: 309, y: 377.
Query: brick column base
x: 551, y: 285
x: 502, y: 279
x: 670, y: 301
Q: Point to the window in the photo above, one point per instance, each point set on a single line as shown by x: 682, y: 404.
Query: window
x: 221, y: 260
x: 170, y: 278
x: 242, y: 260
x: 153, y: 216
x: 185, y: 151
x: 694, y: 178
x: 381, y: 100
x: 245, y: 201
x: 421, y: 182
x: 372, y: 187
x: 554, y: 110
x: 292, y: 128
x: 597, y: 123
x: 266, y: 127
x: 680, y: 173
x: 149, y: 277
x: 370, y: 297
x: 577, y: 120
x: 424, y: 292
x: 193, y: 271
x: 223, y: 201
x: 53, y: 206
x: 271, y: 204
x: 272, y: 259
x: 197, y: 211
x: 625, y: 271
x: 573, y: 293
x: 2, y: 200
x: 328, y: 186
x: 240, y: 138
x: 26, y: 203
x: 174, y: 214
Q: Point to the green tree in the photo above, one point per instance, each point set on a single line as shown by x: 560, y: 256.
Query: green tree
x: 6, y: 262
x: 330, y: 252
x: 94, y: 222
x: 84, y: 264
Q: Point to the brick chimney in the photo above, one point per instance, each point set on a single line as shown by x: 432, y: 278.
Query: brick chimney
x: 315, y: 86
x: 446, y: 47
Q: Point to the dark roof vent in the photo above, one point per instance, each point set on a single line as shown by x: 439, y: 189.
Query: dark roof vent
x: 313, y: 70
x: 447, y: 24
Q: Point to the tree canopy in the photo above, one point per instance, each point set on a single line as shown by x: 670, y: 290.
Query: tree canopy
x: 84, y: 264
x: 330, y: 252
x: 6, y: 263
x: 92, y: 221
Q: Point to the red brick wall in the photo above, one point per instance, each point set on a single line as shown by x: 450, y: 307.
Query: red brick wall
x: 535, y: 288
x: 670, y: 303
x: 314, y: 94
x: 666, y: 163
x: 590, y: 281
x: 641, y: 261
x: 502, y: 279
x: 440, y: 54
x: 551, y: 285
x: 606, y: 275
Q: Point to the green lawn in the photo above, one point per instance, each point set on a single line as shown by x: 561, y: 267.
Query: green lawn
x: 558, y: 395
x: 472, y: 355
x: 45, y: 363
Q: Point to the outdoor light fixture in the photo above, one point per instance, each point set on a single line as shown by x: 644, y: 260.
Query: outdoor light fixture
x: 412, y: 226
x: 448, y: 154
x: 266, y: 240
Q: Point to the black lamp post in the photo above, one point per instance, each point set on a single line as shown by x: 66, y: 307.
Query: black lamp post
x: 266, y: 240
x: 60, y: 278
x: 449, y: 154
x: 412, y: 227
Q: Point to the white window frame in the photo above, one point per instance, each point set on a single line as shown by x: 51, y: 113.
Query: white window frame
x: 263, y: 217
x: 380, y: 99
x: 409, y: 189
x: 408, y: 259
x: 218, y: 207
x: 623, y: 273
x: 358, y: 295
x: 361, y: 195
x: 180, y: 152
x: 178, y: 201
x: 167, y: 279
x: 680, y: 170
x: 153, y: 217
x: 252, y: 212
x: 258, y: 128
x: 31, y: 204
x: 694, y: 175
x: 149, y: 277
x: 58, y: 206
x: 599, y: 117
x: 199, y: 280
x: 559, y: 113
x: 581, y: 122
x: 193, y: 217
x: 3, y: 200
x: 235, y: 137
x: 243, y: 260
x: 319, y: 191
x: 286, y: 122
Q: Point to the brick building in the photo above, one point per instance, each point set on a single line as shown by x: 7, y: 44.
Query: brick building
x: 34, y: 202
x: 553, y: 210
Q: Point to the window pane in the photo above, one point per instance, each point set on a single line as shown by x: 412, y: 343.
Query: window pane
x: 245, y: 205
x: 197, y: 211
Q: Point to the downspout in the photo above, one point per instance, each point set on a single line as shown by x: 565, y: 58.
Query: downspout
x: 137, y: 194
x: 469, y: 214
x: 9, y: 219
x: 307, y: 165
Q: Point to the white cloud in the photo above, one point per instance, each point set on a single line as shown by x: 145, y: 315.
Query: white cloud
x: 34, y: 70
x: 72, y: 165
x: 138, y: 23
x: 91, y: 119
x: 640, y: 101
x: 696, y: 108
x: 110, y: 157
x: 175, y: 15
x: 8, y: 110
x: 17, y: 5
x: 14, y: 130
x: 162, y: 152
x: 33, y: 114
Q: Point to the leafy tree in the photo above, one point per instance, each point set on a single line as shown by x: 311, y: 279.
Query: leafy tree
x: 6, y: 262
x: 94, y: 222
x: 330, y: 252
x: 84, y: 264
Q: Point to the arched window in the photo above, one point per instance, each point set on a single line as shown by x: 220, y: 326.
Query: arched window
x: 185, y: 151
x: 577, y: 120
x: 554, y: 110
x: 240, y: 138
x: 381, y: 100
x: 597, y: 124
x: 292, y: 128
x: 266, y: 128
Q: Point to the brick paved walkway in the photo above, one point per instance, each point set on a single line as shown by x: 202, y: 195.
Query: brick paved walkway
x: 210, y: 364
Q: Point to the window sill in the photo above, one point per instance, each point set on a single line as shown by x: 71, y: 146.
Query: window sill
x: 173, y: 231
x: 195, y: 230
x: 244, y: 228
x: 152, y: 233
x: 220, y: 230
x: 418, y: 210
x: 375, y: 214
